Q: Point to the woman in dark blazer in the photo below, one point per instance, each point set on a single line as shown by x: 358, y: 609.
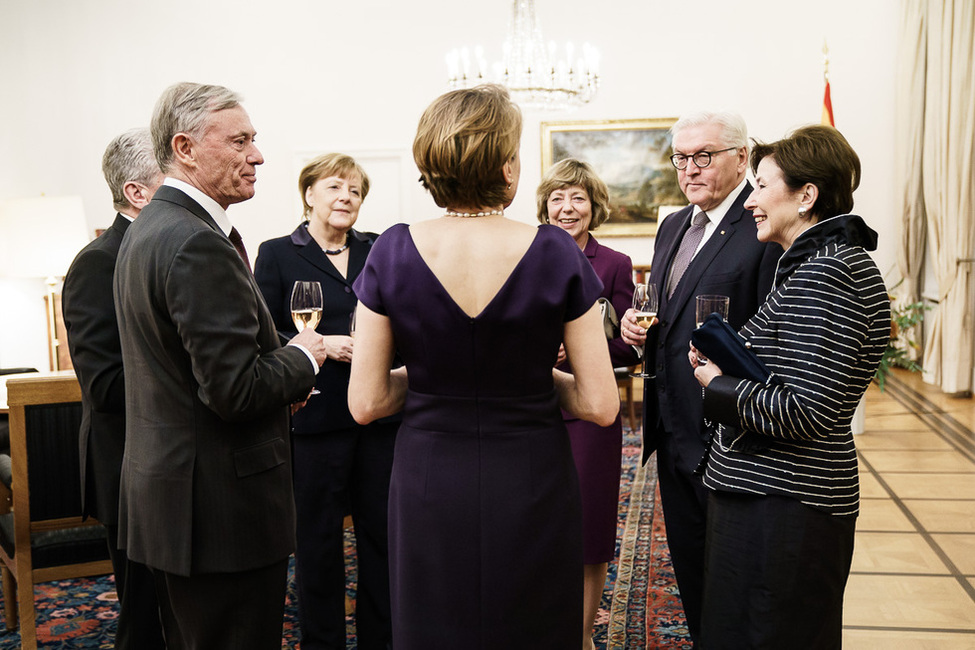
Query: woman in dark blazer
x: 783, y: 466
x: 340, y: 467
x: 572, y: 197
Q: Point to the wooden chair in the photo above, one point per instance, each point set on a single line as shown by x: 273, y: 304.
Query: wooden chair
x: 42, y: 536
x: 625, y: 382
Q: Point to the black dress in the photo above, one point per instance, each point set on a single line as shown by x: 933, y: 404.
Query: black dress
x: 485, y: 525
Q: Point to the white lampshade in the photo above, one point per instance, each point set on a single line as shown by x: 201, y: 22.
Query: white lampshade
x: 40, y: 236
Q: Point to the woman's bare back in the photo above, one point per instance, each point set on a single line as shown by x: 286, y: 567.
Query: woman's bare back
x: 472, y: 257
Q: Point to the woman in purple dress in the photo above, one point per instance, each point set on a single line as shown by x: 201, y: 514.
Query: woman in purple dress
x: 572, y: 197
x: 484, y: 515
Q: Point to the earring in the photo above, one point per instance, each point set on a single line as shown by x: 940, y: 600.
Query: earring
x: 802, y: 210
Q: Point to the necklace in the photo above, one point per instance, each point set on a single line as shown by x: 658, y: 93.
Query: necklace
x: 451, y: 213
x: 336, y: 251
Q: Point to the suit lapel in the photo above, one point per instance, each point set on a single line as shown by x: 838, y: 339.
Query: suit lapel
x: 358, y: 251
x: 699, y: 265
x: 314, y: 255
x: 664, y: 255
x: 311, y: 252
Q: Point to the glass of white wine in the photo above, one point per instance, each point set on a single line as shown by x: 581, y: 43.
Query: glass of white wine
x: 705, y: 306
x: 645, y: 306
x: 306, y: 306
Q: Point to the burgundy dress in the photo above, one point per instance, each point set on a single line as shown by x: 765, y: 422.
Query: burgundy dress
x: 598, y: 451
x: 484, y: 517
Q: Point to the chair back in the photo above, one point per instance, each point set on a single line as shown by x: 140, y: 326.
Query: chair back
x: 44, y: 537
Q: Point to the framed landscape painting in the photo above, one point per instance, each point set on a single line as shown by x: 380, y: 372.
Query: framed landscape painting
x: 632, y: 157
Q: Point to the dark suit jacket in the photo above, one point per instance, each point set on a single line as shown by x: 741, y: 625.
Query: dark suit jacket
x: 96, y: 353
x: 206, y: 477
x: 297, y: 256
x: 732, y: 263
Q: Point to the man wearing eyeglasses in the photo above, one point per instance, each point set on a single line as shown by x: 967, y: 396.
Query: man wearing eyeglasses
x: 709, y: 247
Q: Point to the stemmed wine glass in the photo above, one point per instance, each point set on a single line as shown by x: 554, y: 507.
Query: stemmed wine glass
x: 306, y: 307
x: 645, y: 306
x: 352, y: 321
x: 707, y: 305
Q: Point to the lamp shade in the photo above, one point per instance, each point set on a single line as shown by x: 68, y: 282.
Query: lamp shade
x: 40, y: 236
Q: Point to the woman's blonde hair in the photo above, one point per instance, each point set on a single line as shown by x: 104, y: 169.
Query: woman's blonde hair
x: 330, y: 164
x: 574, y: 173
x: 463, y: 141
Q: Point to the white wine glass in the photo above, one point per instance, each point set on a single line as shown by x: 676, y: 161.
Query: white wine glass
x: 306, y: 307
x: 352, y: 320
x: 645, y: 306
x: 706, y: 305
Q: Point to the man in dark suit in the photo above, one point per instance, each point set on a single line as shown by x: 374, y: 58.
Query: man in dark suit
x: 206, y: 496
x: 93, y: 340
x: 709, y: 247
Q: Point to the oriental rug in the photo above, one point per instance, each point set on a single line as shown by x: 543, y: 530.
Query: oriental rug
x: 640, y: 607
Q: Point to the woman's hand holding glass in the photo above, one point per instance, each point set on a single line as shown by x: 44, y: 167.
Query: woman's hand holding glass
x: 704, y: 307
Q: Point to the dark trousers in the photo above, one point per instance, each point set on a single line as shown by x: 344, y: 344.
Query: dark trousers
x: 685, y: 501
x: 139, y: 627
x: 338, y: 473
x: 243, y: 610
x: 775, y: 574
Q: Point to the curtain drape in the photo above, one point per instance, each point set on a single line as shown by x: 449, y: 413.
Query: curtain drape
x: 940, y: 36
x: 908, y: 144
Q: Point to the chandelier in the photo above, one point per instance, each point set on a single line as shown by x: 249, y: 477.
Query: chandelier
x: 536, y: 78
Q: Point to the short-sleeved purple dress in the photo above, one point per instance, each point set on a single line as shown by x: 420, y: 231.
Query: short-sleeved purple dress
x: 484, y: 516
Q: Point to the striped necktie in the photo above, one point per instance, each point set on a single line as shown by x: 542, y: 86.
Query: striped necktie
x: 685, y: 253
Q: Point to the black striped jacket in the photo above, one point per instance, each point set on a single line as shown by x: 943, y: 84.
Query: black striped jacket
x: 822, y: 333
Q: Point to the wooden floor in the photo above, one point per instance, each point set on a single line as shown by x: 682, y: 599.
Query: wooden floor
x: 913, y: 580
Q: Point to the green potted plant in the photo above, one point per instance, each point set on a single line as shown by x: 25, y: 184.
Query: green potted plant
x: 902, y: 319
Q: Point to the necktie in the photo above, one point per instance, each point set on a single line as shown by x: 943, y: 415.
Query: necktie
x: 238, y: 243
x: 685, y: 253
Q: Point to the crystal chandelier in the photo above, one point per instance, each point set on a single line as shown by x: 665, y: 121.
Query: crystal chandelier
x: 536, y: 78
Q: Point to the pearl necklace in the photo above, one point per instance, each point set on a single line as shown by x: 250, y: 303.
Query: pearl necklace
x: 451, y: 213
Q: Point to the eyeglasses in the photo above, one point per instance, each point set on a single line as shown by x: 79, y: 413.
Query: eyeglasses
x: 702, y: 158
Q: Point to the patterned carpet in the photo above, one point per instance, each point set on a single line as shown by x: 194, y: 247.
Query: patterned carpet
x: 640, y: 608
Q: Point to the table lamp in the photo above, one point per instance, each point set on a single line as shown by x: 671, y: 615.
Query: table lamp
x: 39, y: 237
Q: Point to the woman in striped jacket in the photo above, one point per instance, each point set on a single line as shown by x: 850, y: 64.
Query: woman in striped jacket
x: 783, y: 467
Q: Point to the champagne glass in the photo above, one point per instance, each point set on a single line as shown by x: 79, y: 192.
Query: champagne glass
x: 352, y: 321
x: 706, y: 305
x: 645, y: 306
x: 306, y: 307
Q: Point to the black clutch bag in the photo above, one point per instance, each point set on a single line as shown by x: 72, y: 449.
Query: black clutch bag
x: 721, y: 344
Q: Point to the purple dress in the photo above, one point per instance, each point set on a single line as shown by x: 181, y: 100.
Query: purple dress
x: 484, y: 516
x: 598, y: 451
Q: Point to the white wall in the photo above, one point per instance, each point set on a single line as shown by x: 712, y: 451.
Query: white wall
x: 319, y: 75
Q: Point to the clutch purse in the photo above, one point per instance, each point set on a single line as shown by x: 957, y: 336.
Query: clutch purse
x: 611, y: 322
x: 720, y: 343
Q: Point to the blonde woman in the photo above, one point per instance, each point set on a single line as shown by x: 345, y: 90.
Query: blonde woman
x: 485, y: 525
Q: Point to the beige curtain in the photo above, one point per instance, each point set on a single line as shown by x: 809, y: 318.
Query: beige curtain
x: 949, y: 188
x: 908, y: 143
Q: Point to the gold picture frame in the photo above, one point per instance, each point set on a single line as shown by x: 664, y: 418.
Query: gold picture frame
x: 633, y: 159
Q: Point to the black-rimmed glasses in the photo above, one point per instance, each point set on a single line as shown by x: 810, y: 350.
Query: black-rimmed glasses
x: 701, y: 159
